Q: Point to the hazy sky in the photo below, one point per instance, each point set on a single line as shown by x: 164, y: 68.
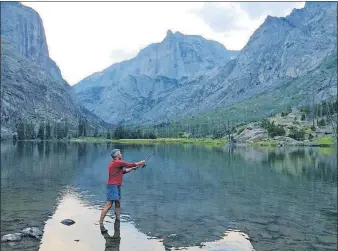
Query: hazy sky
x: 87, y: 37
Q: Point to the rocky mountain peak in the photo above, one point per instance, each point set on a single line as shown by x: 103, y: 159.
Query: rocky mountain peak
x: 169, y: 33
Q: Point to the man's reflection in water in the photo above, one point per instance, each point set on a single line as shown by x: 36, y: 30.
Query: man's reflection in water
x: 112, y: 242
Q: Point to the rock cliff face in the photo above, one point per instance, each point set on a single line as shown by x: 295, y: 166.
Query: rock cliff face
x: 185, y: 75
x: 23, y: 27
x: 32, y: 88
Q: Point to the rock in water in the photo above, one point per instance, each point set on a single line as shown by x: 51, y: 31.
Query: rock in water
x: 68, y: 222
x: 11, y: 237
x: 32, y: 232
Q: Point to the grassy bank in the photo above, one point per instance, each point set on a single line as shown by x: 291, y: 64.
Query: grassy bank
x: 216, y: 142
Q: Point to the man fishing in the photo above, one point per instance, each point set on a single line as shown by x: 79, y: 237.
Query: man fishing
x: 117, y: 167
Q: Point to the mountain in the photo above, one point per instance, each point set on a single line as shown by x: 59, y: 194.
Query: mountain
x: 287, y: 61
x: 283, y: 49
x: 126, y: 90
x: 188, y: 75
x: 32, y: 88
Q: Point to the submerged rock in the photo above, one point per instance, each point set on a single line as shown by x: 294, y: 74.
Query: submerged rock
x: 29, y: 232
x: 32, y: 232
x: 11, y: 237
x: 68, y: 222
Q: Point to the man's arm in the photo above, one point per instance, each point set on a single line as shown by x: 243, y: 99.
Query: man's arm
x: 131, y: 166
x: 129, y: 169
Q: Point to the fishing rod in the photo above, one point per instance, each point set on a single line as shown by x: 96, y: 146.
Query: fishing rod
x: 149, y: 157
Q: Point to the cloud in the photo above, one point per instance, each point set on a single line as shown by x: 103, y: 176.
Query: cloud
x: 91, y: 36
x: 225, y: 17
x: 220, y: 17
x: 119, y: 55
x: 256, y: 10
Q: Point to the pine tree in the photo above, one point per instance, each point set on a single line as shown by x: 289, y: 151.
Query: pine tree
x: 48, y: 131
x: 65, y: 130
x: 80, y: 128
x: 96, y: 132
x: 41, y: 132
x: 59, y: 131
x: 30, y: 132
x: 55, y: 135
x: 21, y: 131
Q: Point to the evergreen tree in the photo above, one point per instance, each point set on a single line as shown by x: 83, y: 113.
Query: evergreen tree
x: 81, y: 128
x: 321, y: 122
x: 119, y: 132
x: 48, y: 131
x: 41, y: 132
x: 55, y: 135
x: 30, y: 132
x: 65, y: 130
x: 21, y: 130
x: 59, y: 131
x: 138, y: 134
x: 152, y: 135
x: 96, y: 132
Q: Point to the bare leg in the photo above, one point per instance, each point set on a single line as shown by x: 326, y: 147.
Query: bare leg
x: 117, y: 209
x: 105, y: 210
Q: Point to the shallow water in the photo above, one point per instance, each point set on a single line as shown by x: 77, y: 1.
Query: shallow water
x: 282, y: 199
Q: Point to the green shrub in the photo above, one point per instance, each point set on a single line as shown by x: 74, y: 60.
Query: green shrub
x: 321, y: 122
x: 297, y: 134
x: 240, y: 130
x: 273, y: 130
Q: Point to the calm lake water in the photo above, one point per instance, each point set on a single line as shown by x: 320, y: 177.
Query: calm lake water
x: 187, y: 196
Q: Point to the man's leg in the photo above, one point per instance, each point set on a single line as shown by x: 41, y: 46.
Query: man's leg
x: 117, y: 209
x: 105, y: 210
x: 117, y: 203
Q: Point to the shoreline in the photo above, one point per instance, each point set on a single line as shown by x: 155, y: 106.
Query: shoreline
x: 203, y: 141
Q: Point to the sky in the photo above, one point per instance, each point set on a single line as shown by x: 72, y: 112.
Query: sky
x: 87, y: 37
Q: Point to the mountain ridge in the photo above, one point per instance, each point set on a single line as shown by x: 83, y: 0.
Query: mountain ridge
x: 281, y: 49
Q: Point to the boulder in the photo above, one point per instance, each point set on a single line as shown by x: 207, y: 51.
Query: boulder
x: 11, y: 237
x: 253, y: 134
x: 68, y: 222
x: 32, y: 232
x: 286, y: 140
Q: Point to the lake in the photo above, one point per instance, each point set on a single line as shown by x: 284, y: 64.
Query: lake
x: 187, y: 196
